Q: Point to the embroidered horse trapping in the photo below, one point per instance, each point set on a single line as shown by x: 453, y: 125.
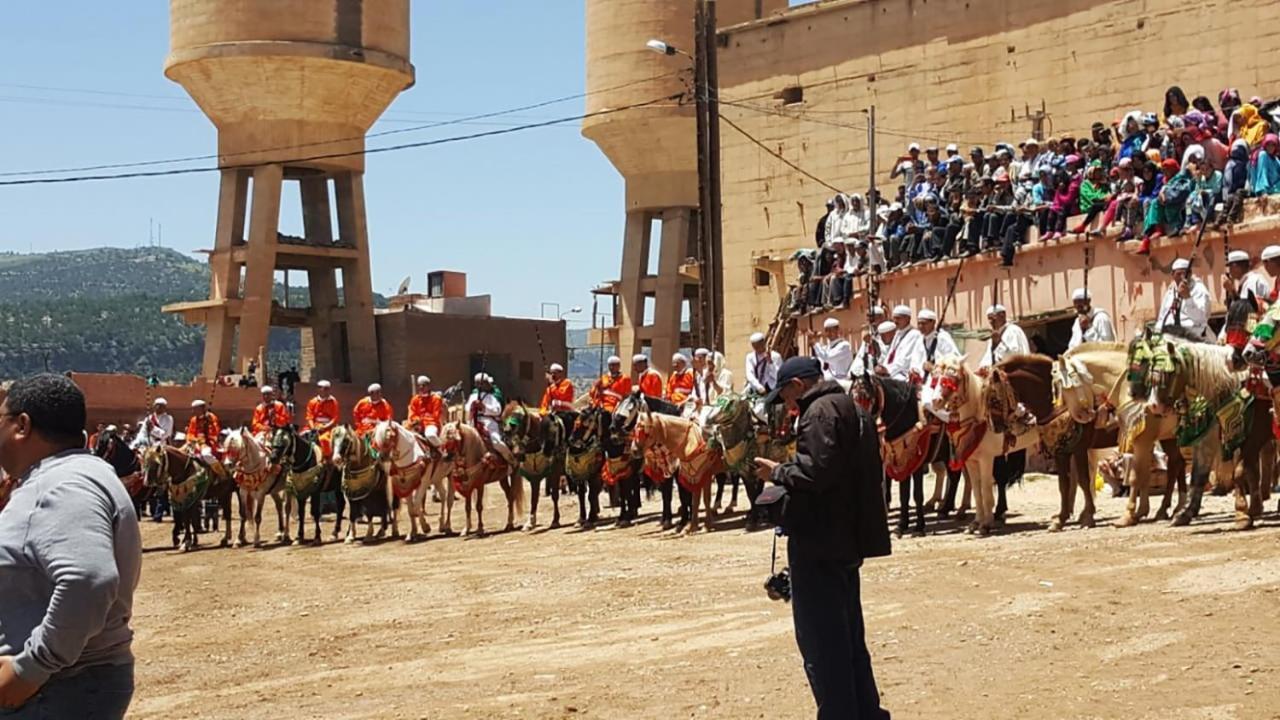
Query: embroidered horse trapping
x: 1235, y: 418
x: 359, y: 484
x: 1194, y: 423
x: 1060, y: 435
x: 699, y: 467
x: 903, y: 455
x: 185, y: 494
x: 535, y: 466
x: 583, y: 465
x: 616, y: 469
x: 965, y: 439
x: 253, y: 482
x: 303, y: 484
x: 406, y: 480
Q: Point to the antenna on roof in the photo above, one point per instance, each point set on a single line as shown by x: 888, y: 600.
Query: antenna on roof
x: 404, y: 285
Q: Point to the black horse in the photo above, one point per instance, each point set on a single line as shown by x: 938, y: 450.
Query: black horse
x: 621, y: 428
x: 897, y: 406
x: 584, y: 459
x: 308, y: 478
x: 113, y: 449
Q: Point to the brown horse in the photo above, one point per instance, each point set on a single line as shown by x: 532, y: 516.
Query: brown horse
x: 187, y: 480
x: 675, y: 446
x: 476, y: 465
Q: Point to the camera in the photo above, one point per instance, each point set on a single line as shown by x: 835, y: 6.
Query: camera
x: 778, y: 586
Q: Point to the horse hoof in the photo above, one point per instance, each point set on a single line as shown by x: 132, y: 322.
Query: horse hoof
x: 298, y: 541
x: 1129, y: 521
x: 238, y: 544
x: 1245, y: 523
x: 1162, y: 515
x: 984, y: 531
x: 348, y: 541
x: 555, y: 524
x: 1087, y: 521
x: 1055, y: 525
x: 224, y: 543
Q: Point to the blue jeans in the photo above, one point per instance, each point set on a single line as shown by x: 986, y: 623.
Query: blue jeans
x: 96, y: 693
x: 826, y: 605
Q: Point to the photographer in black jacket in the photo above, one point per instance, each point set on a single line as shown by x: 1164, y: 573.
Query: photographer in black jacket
x: 835, y: 518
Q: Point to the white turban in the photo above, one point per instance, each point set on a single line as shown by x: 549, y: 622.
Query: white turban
x: 613, y: 360
x: 161, y: 401
x: 639, y: 358
x: 902, y: 311
x: 1181, y: 264
x: 877, y: 310
x: 757, y: 337
x: 375, y: 387
x: 424, y: 380
x: 995, y: 310
x: 701, y: 352
x: 323, y: 384
x: 557, y: 367
x: 1080, y: 294
x: 1236, y: 256
x: 927, y: 314
x: 831, y: 324
x: 886, y: 327
x: 1271, y: 252
x: 679, y: 357
x: 197, y: 403
x: 267, y: 389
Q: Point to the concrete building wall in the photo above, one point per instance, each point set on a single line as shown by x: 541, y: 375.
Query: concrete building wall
x: 941, y: 71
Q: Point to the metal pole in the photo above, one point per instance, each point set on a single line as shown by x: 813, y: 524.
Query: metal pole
x: 871, y: 171
x: 711, y: 47
x: 706, y: 274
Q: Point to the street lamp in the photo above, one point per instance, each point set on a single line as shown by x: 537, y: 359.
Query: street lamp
x: 663, y: 48
x: 571, y: 311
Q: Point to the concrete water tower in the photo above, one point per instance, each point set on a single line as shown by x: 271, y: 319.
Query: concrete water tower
x: 292, y: 86
x: 655, y: 150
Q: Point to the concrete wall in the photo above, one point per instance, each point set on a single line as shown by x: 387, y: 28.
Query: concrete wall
x: 113, y: 398
x: 443, y: 346
x: 942, y: 71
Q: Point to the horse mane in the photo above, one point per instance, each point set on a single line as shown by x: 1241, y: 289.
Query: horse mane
x: 905, y: 401
x: 1209, y: 373
x: 1033, y: 362
x: 662, y: 427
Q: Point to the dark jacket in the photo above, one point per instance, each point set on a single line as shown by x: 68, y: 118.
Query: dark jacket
x: 835, y: 509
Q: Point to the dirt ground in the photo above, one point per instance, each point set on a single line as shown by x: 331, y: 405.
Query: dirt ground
x: 1152, y: 622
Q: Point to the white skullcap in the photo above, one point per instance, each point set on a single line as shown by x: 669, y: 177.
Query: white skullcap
x: 1080, y: 294
x: 927, y: 314
x: 479, y: 378
x: 613, y: 360
x: 830, y: 324
x: 557, y: 367
x: 324, y: 384
x: 1236, y: 256
x: 913, y: 146
x: 267, y: 388
x: 197, y: 402
x: 424, y: 380
x: 179, y: 436
x: 701, y: 352
x: 757, y: 337
x: 877, y: 310
x: 995, y: 310
x: 160, y: 401
x: 1182, y: 264
x: 639, y: 357
x: 375, y: 387
x: 886, y: 326
x: 953, y: 148
x: 902, y: 311
x: 679, y: 357
x: 1271, y: 252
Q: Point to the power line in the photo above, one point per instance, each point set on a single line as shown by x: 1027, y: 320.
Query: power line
x: 779, y: 156
x: 331, y: 156
x: 383, y: 133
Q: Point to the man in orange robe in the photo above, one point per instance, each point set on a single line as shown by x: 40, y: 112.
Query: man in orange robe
x: 680, y: 383
x: 558, y: 397
x: 611, y: 387
x: 648, y: 379
x: 269, y: 414
x: 322, y: 417
x: 203, y: 430
x: 371, y: 410
x: 426, y: 412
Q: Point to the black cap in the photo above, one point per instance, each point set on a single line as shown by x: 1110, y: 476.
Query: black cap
x: 796, y: 368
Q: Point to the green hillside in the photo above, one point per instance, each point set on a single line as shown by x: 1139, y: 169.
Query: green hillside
x: 99, y: 311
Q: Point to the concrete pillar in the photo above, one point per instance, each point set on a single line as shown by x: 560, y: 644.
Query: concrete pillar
x: 669, y: 291
x: 224, y: 275
x: 260, y: 264
x: 635, y: 265
x: 357, y: 280
x: 322, y: 282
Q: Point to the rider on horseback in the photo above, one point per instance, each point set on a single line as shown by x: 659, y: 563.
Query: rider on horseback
x: 371, y: 410
x: 322, y: 417
x: 484, y: 411
x: 269, y: 415
x: 557, y: 399
x: 426, y: 412
x: 203, y: 430
x: 157, y: 428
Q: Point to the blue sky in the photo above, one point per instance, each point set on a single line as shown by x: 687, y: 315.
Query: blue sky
x: 531, y: 217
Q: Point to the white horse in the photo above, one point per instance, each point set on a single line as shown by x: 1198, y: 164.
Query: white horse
x: 960, y: 392
x: 256, y: 478
x: 414, y: 470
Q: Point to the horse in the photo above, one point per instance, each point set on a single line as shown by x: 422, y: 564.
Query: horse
x: 249, y: 462
x: 1218, y: 417
x: 674, y: 447
x: 584, y: 463
x: 308, y: 476
x: 734, y: 428
x: 187, y: 480
x: 909, y: 442
x: 414, y: 470
x: 473, y: 465
x: 364, y: 484
x: 984, y: 418
x: 622, y: 428
x: 127, y: 465
x: 538, y: 443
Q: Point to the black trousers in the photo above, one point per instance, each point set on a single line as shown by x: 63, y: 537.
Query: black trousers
x: 1015, y: 233
x: 826, y: 605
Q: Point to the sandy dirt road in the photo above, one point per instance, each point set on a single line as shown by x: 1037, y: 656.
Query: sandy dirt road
x: 1152, y: 622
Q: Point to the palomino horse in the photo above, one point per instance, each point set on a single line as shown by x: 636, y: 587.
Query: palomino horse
x: 622, y: 429
x: 187, y: 480
x: 124, y: 460
x: 475, y: 465
x: 674, y: 447
x: 364, y: 484
x: 1217, y: 418
x: 584, y: 463
x: 308, y: 477
x: 414, y: 470
x: 258, y: 478
x: 538, y: 443
x: 975, y: 442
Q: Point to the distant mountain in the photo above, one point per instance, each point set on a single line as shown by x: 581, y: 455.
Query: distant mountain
x: 99, y: 311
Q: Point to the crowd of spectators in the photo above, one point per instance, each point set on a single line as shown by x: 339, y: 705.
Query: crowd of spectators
x: 1151, y: 177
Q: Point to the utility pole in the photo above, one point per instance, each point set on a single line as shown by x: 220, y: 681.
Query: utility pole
x: 707, y: 108
x: 871, y: 160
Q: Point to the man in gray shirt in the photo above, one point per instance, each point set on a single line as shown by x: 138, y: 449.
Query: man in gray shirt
x: 70, y: 555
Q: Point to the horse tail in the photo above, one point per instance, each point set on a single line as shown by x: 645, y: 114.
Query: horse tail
x: 517, y: 491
